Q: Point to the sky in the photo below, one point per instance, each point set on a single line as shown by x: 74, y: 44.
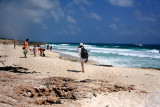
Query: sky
x: 87, y: 21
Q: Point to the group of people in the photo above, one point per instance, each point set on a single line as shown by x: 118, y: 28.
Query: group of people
x: 35, y: 49
x: 48, y: 47
x: 81, y: 50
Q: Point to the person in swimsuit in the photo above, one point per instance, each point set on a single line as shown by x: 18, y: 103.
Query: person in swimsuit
x: 26, y: 48
x: 34, y: 50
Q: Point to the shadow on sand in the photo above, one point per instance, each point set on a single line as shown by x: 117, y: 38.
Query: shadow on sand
x: 22, y: 57
x: 74, y: 71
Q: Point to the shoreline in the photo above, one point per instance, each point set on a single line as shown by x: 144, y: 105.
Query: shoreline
x: 93, y: 62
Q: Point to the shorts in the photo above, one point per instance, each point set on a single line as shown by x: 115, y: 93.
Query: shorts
x: 14, y: 44
x: 82, y: 60
x: 25, y: 51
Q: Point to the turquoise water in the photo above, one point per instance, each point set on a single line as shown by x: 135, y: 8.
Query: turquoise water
x: 136, y: 55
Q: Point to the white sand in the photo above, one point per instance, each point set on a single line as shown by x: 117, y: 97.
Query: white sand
x: 52, y: 65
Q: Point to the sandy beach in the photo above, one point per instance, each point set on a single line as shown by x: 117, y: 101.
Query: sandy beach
x: 99, y: 86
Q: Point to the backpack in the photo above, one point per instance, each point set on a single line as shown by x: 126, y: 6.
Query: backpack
x: 84, y: 53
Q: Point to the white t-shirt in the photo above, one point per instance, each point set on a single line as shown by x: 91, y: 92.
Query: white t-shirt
x: 79, y: 51
x: 35, y: 49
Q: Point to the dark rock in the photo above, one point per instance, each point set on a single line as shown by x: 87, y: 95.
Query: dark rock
x: 150, y: 68
x: 103, y: 65
x: 95, y: 94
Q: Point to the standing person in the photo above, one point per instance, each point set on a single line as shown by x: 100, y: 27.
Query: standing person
x: 51, y: 47
x: 26, y: 47
x: 48, y: 47
x: 14, y: 43
x: 34, y: 50
x: 83, y: 55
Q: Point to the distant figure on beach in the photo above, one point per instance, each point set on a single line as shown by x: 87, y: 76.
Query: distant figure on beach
x: 14, y: 43
x: 26, y: 47
x: 83, y: 55
x: 41, y: 50
x: 48, y: 47
x: 51, y: 47
x: 34, y: 50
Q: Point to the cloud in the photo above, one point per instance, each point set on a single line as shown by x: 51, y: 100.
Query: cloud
x: 69, y: 8
x: 116, y: 19
x: 35, y: 16
x: 43, y: 4
x: 95, y: 16
x: 113, y: 26
x: 44, y: 26
x: 73, y: 29
x: 16, y: 16
x: 83, y: 9
x: 71, y: 20
x: 63, y: 32
x: 122, y: 3
x: 140, y: 17
x: 57, y: 14
x: 82, y: 1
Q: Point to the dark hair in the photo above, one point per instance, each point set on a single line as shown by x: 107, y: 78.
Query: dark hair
x: 27, y: 39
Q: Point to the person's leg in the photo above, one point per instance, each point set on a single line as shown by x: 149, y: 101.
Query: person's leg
x: 40, y: 52
x: 25, y: 53
x: 82, y: 65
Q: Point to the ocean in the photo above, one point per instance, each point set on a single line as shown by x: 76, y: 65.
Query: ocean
x: 119, y: 55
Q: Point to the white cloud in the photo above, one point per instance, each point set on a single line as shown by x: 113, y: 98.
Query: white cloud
x: 57, y: 14
x: 69, y: 8
x: 122, y: 3
x: 71, y: 19
x: 43, y: 4
x: 95, y: 16
x: 16, y: 16
x: 116, y: 19
x: 82, y: 1
x: 35, y: 16
x: 83, y: 9
x: 113, y: 26
x: 140, y: 17
x: 73, y: 29
x: 44, y: 26
x: 63, y: 32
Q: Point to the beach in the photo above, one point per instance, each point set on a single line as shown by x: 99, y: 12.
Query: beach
x: 99, y: 86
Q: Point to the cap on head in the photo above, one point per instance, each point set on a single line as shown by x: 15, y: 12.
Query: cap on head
x: 81, y: 44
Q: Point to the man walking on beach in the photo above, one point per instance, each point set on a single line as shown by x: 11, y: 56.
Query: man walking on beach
x: 26, y: 48
x: 83, y: 55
